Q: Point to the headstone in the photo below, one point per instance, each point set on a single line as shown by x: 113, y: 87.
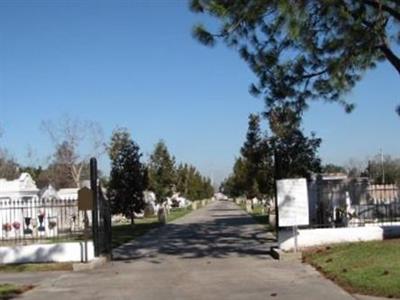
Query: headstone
x: 162, y: 217
x: 149, y: 210
x: 272, y: 220
x: 249, y: 207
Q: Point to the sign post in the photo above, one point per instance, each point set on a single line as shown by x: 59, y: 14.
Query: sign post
x: 292, y: 201
x: 295, y: 238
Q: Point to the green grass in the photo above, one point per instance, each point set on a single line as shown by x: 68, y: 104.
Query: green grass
x: 258, y: 214
x: 39, y: 267
x: 124, y: 233
x: 371, y: 268
x: 8, y: 291
x: 178, y: 213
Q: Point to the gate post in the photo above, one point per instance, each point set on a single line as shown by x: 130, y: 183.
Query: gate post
x: 277, y: 175
x: 95, y: 212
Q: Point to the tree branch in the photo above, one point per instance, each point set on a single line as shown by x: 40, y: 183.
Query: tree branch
x: 391, y: 56
x: 310, y: 75
x: 377, y: 5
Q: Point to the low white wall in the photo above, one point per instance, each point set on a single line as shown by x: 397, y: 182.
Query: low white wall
x: 36, y: 253
x: 323, y: 236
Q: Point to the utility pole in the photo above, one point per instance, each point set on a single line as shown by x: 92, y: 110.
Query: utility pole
x: 383, y: 168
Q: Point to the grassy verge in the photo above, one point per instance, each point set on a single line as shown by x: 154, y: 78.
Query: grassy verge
x: 178, y: 213
x: 258, y: 214
x: 124, y: 233
x: 371, y: 268
x: 9, y: 291
x: 39, y: 267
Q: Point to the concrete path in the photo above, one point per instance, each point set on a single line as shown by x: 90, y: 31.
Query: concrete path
x: 217, y: 252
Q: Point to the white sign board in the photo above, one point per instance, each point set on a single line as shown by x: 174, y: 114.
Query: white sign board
x: 292, y: 202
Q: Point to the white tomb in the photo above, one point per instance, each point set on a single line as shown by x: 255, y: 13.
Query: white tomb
x: 22, y: 188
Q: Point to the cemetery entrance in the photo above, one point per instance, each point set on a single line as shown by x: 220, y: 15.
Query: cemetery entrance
x: 101, y: 215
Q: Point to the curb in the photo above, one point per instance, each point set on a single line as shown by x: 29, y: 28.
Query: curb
x: 277, y: 253
x: 93, y: 264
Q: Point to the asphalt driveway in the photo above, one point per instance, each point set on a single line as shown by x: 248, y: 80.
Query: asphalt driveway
x: 217, y: 252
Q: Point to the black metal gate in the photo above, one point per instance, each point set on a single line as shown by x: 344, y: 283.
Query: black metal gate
x: 101, y: 215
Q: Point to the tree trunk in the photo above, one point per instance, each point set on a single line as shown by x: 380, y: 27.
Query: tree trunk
x: 76, y: 171
x: 132, y: 218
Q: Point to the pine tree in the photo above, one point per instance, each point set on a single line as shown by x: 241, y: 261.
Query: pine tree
x: 295, y: 154
x: 256, y: 169
x: 191, y: 184
x: 258, y: 159
x: 251, y: 147
x: 251, y: 156
x: 127, y: 177
x: 182, y: 179
x: 236, y: 184
x: 306, y: 50
x: 162, y: 172
x: 265, y: 174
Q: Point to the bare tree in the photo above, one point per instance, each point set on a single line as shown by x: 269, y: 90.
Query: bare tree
x: 355, y: 167
x: 75, y: 141
x: 8, y: 166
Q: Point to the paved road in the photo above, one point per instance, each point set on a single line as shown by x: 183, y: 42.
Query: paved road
x: 217, y: 252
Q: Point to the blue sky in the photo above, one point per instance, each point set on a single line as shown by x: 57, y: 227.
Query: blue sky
x: 135, y: 64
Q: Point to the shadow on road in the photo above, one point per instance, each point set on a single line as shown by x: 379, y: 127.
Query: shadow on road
x: 222, y: 236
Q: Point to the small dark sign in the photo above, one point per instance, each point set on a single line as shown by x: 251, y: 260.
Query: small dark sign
x: 85, y: 199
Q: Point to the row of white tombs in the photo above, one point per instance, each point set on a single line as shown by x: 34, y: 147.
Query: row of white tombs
x: 26, y: 212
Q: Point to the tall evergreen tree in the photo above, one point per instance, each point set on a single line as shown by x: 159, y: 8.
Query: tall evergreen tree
x: 162, y: 172
x: 127, y: 177
x: 295, y: 154
x: 251, y: 147
x: 265, y: 173
x: 251, y: 152
x: 191, y: 184
x: 258, y: 159
x: 305, y: 50
x: 182, y: 184
x: 236, y: 184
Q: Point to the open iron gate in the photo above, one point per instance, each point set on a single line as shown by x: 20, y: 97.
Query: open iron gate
x: 101, y: 215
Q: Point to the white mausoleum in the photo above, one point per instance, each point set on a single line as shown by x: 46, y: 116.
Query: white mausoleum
x: 22, y: 188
